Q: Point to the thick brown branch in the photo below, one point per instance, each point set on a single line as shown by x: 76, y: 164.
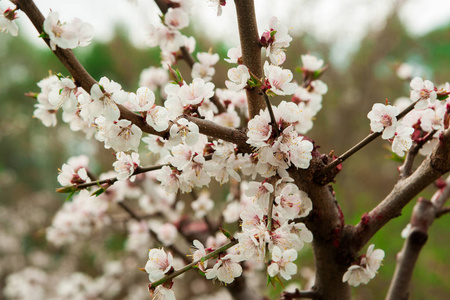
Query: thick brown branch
x: 228, y: 134
x: 403, y: 192
x: 251, y: 50
x: 325, y: 222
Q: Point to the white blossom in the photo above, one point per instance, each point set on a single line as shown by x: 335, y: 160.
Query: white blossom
x: 279, y: 79
x: 311, y: 63
x: 226, y: 269
x: 282, y: 262
x: 158, y: 264
x: 238, y: 78
x: 67, y: 35
x: 7, y: 23
x: 423, y: 92
x: 126, y: 164
x: 402, y: 140
x: 383, y: 117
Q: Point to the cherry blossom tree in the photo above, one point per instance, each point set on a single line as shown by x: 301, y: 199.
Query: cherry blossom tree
x: 280, y: 191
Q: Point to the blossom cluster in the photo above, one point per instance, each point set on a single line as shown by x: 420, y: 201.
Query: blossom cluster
x: 67, y: 35
x: 427, y: 118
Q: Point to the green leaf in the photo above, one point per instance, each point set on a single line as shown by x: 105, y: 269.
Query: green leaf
x: 69, y: 198
x: 98, y: 192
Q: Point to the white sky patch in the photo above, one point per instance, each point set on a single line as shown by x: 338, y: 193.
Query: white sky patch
x: 342, y: 23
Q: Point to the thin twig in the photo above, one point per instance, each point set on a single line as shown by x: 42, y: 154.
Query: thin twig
x: 269, y: 212
x: 405, y: 169
x: 272, y: 116
x: 443, y: 211
x: 194, y: 263
x: 371, y: 137
x: 109, y: 181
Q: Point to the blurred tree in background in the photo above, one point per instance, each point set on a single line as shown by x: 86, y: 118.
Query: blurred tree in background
x: 31, y: 154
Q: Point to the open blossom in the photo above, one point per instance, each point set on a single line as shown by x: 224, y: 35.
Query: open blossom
x: 234, y: 55
x: 366, y: 269
x: 62, y: 95
x: 122, y: 135
x: 226, y: 268
x: 204, y: 68
x: 383, y: 117
x: 196, y: 92
x: 184, y: 131
x: 238, y: 78
x: 275, y: 40
x: 356, y: 275
x: 423, y: 92
x: 176, y: 19
x: 311, y: 63
x: 74, y: 172
x: 279, y: 80
x: 126, y: 164
x: 143, y: 100
x: 105, y: 99
x: 402, y: 140
x: 158, y: 264
x: 282, y: 262
x: 373, y: 259
x: 158, y: 118
x: 7, y: 23
x: 169, y: 40
x: 153, y: 78
x: 69, y: 175
x: 67, y: 35
x: 162, y: 293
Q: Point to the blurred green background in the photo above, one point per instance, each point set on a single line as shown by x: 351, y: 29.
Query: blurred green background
x: 30, y: 154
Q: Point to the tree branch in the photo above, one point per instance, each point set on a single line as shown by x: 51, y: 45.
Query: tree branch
x: 423, y: 215
x: 405, y: 169
x: 86, y: 81
x: 251, y: 50
x: 194, y: 263
x: 403, y: 192
x: 326, y: 223
x: 228, y: 134
x: 443, y: 211
x: 109, y: 181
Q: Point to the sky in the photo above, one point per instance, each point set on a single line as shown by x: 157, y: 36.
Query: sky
x: 342, y: 23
